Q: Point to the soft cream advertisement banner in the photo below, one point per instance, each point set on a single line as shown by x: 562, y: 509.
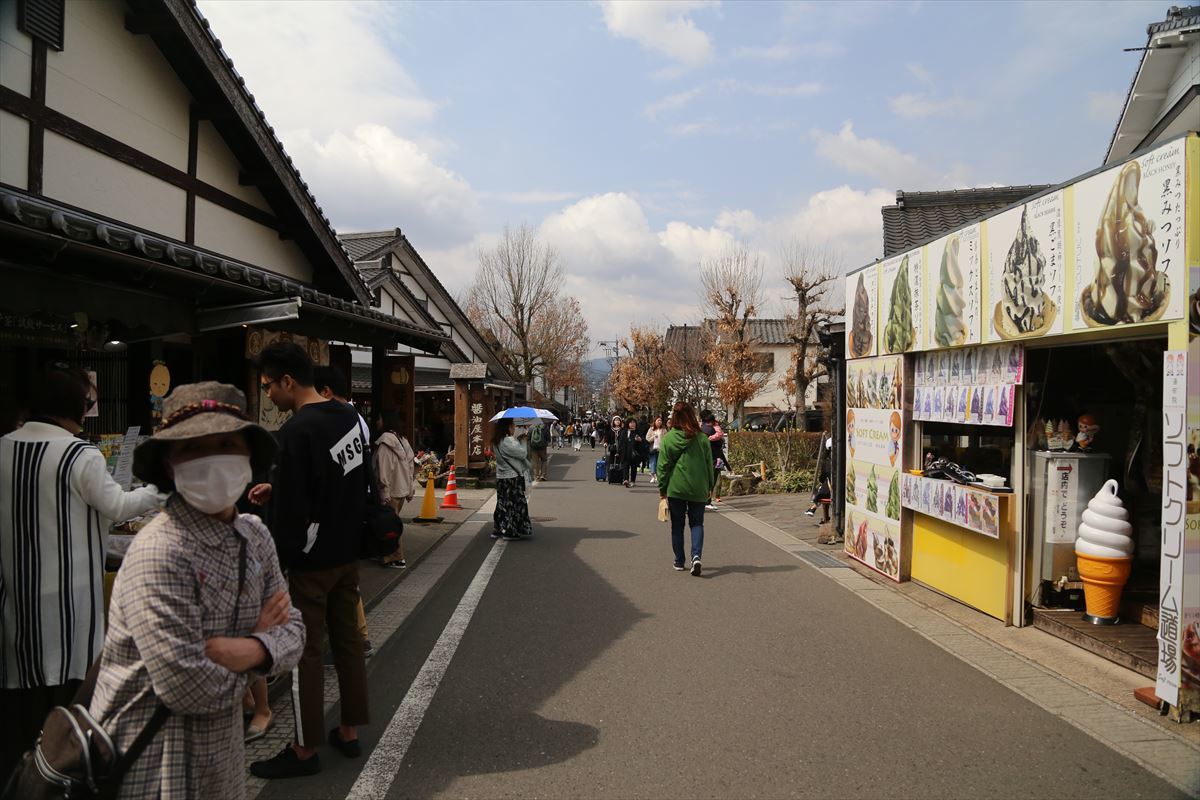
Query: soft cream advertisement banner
x: 874, y: 462
x: 952, y: 289
x: 901, y: 320
x: 862, y: 339
x: 1026, y: 270
x: 1129, y: 242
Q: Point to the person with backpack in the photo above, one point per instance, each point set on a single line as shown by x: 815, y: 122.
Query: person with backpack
x: 716, y: 439
x: 685, y: 479
x: 539, y: 440
x: 395, y: 470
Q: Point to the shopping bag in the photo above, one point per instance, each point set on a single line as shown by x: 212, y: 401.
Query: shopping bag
x: 663, y: 514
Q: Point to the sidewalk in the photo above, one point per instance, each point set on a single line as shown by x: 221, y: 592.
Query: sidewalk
x: 1111, y: 681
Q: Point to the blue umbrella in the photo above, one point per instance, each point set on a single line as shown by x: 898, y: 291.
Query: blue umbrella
x: 524, y: 414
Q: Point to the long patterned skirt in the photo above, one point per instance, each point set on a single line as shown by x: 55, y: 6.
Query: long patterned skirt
x: 511, y: 517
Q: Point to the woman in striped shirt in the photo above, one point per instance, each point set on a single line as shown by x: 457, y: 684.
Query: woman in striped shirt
x: 53, y: 529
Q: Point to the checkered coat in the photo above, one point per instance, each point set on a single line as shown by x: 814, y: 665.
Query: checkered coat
x: 177, y: 587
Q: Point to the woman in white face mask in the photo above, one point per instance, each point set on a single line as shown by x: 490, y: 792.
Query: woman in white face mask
x: 199, y: 608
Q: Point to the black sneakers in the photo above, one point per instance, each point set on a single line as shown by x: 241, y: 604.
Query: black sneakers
x: 348, y: 749
x: 286, y: 765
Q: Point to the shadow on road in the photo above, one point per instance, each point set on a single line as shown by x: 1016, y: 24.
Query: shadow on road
x: 746, y: 569
x: 546, y: 616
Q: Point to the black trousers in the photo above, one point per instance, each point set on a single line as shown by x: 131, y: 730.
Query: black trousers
x: 24, y: 712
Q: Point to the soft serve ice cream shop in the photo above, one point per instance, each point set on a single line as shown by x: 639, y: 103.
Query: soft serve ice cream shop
x: 1023, y: 414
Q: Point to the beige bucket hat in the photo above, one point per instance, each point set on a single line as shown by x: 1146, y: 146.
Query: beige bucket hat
x: 201, y: 409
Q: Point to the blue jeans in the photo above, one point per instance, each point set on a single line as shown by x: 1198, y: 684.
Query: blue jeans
x: 695, y: 517
x: 653, y: 462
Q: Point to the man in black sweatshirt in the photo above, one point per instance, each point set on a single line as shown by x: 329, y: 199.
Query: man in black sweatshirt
x: 318, y: 494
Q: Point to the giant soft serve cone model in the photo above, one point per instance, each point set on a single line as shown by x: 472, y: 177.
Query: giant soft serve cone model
x: 1103, y: 553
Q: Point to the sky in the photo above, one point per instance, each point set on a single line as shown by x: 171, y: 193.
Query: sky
x: 639, y: 138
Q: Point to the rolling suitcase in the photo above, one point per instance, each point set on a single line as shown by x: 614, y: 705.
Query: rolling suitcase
x: 616, y: 473
x: 601, y: 469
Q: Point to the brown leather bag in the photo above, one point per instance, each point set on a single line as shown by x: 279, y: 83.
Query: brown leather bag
x: 74, y: 756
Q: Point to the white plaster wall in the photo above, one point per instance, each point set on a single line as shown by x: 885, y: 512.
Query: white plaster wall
x: 217, y: 166
x: 118, y: 83
x: 771, y: 395
x: 235, y: 236
x: 82, y: 177
x: 16, y: 51
x: 14, y: 150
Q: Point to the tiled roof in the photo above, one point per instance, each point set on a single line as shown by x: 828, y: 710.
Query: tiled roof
x: 762, y: 331
x: 361, y: 245
x: 1177, y: 17
x: 920, y: 216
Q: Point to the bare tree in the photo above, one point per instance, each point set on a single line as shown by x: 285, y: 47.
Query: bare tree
x: 560, y: 343
x: 641, y: 379
x: 692, y: 379
x: 515, y: 287
x: 731, y: 291
x: 811, y: 270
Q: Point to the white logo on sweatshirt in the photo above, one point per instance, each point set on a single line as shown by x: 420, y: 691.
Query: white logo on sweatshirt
x: 348, y: 453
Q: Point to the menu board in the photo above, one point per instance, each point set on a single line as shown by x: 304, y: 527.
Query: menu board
x: 972, y: 385
x: 862, y: 338
x: 952, y: 290
x: 959, y: 505
x: 901, y: 322
x: 1026, y: 270
x: 1129, y: 242
x: 874, y: 456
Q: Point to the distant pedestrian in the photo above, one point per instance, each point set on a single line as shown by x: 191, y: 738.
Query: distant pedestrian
x: 510, y: 520
x: 716, y: 439
x: 629, y: 444
x: 654, y: 437
x: 318, y: 496
x: 685, y: 478
x: 57, y: 502
x: 395, y: 471
x: 539, y: 441
x: 199, y: 606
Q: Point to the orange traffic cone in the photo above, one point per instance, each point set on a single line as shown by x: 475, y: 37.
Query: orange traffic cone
x: 450, y: 500
x: 428, y: 505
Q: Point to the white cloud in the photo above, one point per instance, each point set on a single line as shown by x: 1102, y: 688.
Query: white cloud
x: 806, y: 89
x: 358, y: 126
x: 532, y: 197
x: 663, y: 26
x: 673, y: 102
x: 690, y: 245
x: 370, y: 178
x: 602, y: 234
x: 1105, y: 107
x: 920, y: 104
x: 790, y: 52
x: 920, y: 73
x: 881, y: 161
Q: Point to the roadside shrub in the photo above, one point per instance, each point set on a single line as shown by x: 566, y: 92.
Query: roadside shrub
x: 782, y: 452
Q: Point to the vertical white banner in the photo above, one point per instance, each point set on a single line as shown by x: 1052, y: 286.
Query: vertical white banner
x: 1174, y: 496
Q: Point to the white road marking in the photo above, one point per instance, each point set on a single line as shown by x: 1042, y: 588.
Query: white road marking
x: 380, y: 770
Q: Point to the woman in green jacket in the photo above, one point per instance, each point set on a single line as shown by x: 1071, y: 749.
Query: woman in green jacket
x: 685, y: 478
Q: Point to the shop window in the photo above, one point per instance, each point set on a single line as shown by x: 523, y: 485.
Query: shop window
x: 43, y: 20
x: 764, y: 362
x: 976, y: 448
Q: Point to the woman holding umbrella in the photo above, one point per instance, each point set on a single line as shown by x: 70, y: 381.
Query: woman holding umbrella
x: 511, y: 517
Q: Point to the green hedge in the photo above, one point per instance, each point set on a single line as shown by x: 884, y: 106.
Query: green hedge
x: 790, y: 456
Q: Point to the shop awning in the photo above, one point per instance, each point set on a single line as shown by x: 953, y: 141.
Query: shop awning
x: 201, y: 288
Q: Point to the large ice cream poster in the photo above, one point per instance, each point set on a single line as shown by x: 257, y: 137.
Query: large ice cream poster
x: 1129, y: 242
x: 901, y: 324
x: 952, y: 290
x: 862, y: 338
x: 1026, y: 270
x: 874, y: 463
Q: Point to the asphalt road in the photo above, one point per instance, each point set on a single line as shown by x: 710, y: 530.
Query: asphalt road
x: 592, y: 669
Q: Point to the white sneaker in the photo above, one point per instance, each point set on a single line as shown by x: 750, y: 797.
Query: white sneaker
x: 696, y: 566
x: 710, y: 507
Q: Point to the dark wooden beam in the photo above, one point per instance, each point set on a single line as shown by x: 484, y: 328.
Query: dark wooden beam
x: 252, y: 178
x: 189, y: 223
x: 142, y: 23
x: 37, y: 131
x: 16, y: 103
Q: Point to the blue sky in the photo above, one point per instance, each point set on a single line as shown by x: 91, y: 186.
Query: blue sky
x: 641, y: 137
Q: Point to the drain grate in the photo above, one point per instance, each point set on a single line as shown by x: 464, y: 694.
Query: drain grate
x: 819, y: 559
